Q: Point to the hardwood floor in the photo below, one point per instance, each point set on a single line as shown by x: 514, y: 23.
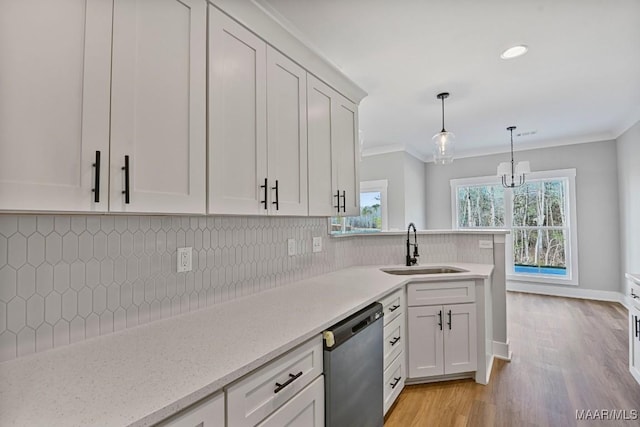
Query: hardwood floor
x: 568, y: 355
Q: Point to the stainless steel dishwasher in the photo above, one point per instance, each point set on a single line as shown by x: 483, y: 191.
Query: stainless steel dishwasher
x: 353, y: 369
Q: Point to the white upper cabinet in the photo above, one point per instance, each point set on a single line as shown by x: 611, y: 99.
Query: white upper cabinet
x: 334, y: 186
x: 82, y: 80
x: 323, y: 200
x: 158, y: 99
x: 237, y: 118
x: 286, y: 135
x: 345, y: 145
x: 54, y: 104
x: 257, y: 124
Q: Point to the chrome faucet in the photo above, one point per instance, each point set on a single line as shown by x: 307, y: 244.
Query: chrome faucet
x: 412, y: 260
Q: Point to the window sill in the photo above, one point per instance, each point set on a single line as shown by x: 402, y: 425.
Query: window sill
x: 541, y: 279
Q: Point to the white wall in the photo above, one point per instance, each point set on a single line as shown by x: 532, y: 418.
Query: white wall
x: 415, y: 197
x: 629, y: 194
x: 406, y: 193
x: 596, y: 199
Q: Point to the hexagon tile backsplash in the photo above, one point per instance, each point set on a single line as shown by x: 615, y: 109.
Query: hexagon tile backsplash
x: 68, y: 278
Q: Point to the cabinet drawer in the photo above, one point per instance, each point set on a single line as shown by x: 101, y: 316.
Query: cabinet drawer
x: 434, y: 293
x: 305, y: 409
x: 393, y: 305
x: 208, y: 413
x: 393, y: 381
x: 394, y: 339
x: 253, y: 398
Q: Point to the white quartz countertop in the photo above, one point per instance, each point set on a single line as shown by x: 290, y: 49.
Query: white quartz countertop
x: 635, y: 277
x: 142, y: 375
x: 472, y: 231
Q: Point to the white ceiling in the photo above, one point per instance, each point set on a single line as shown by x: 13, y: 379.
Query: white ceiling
x: 579, y: 82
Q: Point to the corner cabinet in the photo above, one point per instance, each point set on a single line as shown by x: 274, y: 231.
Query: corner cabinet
x: 257, y: 124
x: 124, y: 79
x: 334, y: 186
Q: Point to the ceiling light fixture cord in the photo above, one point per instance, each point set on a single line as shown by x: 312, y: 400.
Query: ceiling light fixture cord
x: 442, y: 98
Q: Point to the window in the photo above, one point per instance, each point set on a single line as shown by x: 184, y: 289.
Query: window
x: 540, y: 214
x: 373, y: 211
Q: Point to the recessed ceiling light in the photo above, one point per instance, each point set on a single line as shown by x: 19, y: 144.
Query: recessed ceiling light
x: 514, y: 52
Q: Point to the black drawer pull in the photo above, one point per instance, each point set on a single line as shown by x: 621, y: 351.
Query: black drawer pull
x: 440, y: 319
x: 344, y: 201
x: 395, y: 382
x: 394, y: 341
x: 394, y: 308
x: 337, y: 196
x: 125, y: 168
x: 277, y: 202
x: 96, y: 182
x: 291, y: 379
x: 637, y: 327
x: 265, y: 193
x: 449, y: 322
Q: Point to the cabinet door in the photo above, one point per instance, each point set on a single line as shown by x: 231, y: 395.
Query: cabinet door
x: 55, y: 60
x: 237, y: 118
x: 286, y: 135
x: 158, y: 109
x: 634, y: 343
x: 322, y: 165
x: 426, y: 353
x: 209, y: 413
x: 460, y: 339
x: 306, y: 409
x: 345, y: 145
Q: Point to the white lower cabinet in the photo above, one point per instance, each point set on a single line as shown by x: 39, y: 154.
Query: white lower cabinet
x: 394, y: 309
x: 394, y: 377
x: 442, y: 325
x: 258, y: 395
x: 634, y: 342
x: 306, y: 409
x: 208, y: 413
x: 442, y: 340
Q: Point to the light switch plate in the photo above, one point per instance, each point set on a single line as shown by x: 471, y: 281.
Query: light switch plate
x: 317, y: 244
x: 184, y: 260
x: 486, y: 244
x: 291, y: 247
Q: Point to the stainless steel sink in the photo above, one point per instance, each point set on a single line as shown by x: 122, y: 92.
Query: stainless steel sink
x: 410, y: 271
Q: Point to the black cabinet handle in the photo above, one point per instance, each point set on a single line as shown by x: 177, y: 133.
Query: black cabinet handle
x: 394, y: 341
x: 344, y: 201
x: 337, y: 196
x: 277, y: 202
x: 394, y: 308
x: 440, y: 319
x: 96, y: 180
x: 125, y: 168
x: 291, y: 379
x: 637, y: 326
x: 265, y: 193
x: 395, y: 382
x: 449, y: 322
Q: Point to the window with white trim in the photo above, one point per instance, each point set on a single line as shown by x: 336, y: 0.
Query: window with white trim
x: 373, y: 211
x: 541, y: 215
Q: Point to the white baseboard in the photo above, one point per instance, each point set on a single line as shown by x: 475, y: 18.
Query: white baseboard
x: 501, y: 350
x: 570, y: 292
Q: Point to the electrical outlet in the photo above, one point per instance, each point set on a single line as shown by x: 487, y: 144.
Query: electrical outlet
x: 317, y: 244
x: 184, y: 260
x: 486, y: 244
x: 291, y: 247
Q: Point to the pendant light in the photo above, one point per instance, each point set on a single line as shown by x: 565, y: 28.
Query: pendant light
x: 443, y: 140
x: 513, y: 176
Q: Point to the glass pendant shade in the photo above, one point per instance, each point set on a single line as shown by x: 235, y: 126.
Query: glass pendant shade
x: 443, y: 143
